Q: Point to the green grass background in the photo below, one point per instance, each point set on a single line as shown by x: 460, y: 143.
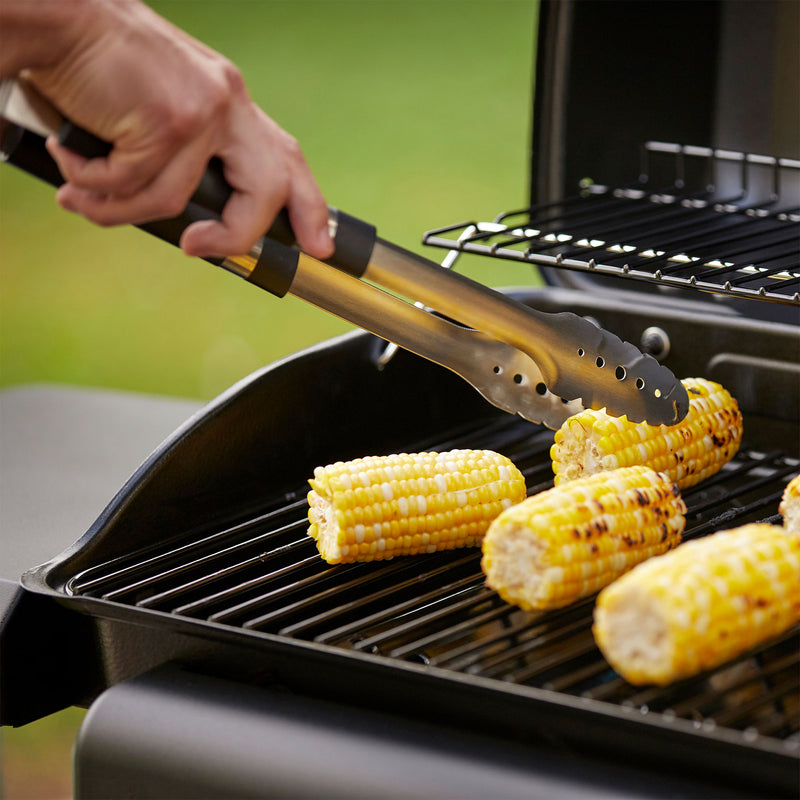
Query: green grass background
x: 412, y: 114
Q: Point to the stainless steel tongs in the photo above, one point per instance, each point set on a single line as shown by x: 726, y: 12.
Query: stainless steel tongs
x: 539, y: 365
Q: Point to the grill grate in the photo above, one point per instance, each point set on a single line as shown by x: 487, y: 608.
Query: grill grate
x: 742, y: 241
x: 265, y: 576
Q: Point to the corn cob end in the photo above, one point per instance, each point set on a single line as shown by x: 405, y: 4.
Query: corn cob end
x: 570, y: 541
x: 790, y: 506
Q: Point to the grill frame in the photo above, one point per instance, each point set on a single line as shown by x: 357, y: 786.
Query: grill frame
x: 310, y: 603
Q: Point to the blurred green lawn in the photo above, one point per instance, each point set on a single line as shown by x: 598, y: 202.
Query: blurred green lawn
x: 412, y: 114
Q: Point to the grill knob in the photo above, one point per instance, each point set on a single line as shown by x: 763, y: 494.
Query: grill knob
x: 655, y: 342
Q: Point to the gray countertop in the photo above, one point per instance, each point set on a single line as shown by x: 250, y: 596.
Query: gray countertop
x: 64, y: 453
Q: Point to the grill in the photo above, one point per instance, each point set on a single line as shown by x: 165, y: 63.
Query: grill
x: 194, y: 564
x: 198, y: 597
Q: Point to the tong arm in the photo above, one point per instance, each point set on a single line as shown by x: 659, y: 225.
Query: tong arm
x: 503, y: 375
x: 577, y: 359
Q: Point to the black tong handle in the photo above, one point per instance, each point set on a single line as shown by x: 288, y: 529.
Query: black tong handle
x: 212, y: 193
x: 353, y: 238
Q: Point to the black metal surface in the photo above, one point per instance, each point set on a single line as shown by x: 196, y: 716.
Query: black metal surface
x: 613, y: 74
x: 292, y: 746
x: 663, y: 228
x: 37, y: 673
x: 265, y: 577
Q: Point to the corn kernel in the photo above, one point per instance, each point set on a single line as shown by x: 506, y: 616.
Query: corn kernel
x: 697, y: 447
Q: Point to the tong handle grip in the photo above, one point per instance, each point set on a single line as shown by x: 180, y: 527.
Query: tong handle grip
x: 82, y: 142
x: 353, y: 238
x: 212, y: 193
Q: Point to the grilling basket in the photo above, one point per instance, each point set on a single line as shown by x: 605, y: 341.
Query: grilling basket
x: 198, y: 595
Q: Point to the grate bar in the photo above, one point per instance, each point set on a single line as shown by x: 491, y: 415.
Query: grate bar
x: 576, y: 648
x: 738, y: 684
x: 414, y: 581
x: 416, y: 646
x: 235, y: 590
x: 510, y: 664
x: 446, y: 606
x: 357, y: 630
x: 208, y: 578
x: 743, y: 713
x: 569, y: 682
x: 528, y: 625
x: 362, y: 582
x: 86, y: 582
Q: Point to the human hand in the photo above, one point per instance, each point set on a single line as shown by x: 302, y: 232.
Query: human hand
x: 169, y: 104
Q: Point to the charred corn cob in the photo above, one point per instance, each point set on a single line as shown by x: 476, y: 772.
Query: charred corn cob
x: 567, y: 542
x: 385, y: 506
x: 790, y: 506
x: 701, y: 605
x: 689, y: 452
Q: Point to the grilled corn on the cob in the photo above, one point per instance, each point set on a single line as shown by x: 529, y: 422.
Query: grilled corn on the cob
x: 701, y: 605
x: 790, y: 506
x: 385, y: 506
x: 567, y: 542
x: 695, y: 448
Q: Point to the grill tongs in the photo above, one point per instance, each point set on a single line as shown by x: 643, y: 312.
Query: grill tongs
x: 539, y: 365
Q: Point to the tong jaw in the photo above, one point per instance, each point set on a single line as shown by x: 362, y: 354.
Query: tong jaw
x: 617, y: 375
x: 512, y: 381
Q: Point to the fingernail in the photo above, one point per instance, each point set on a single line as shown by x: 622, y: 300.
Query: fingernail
x: 325, y: 243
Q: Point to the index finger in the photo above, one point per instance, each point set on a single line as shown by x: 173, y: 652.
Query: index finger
x: 121, y: 173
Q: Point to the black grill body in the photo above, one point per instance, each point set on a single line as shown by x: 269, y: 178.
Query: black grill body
x: 201, y: 566
x: 612, y: 75
x: 220, y: 656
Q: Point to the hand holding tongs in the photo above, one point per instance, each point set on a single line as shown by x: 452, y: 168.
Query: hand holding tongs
x: 539, y: 365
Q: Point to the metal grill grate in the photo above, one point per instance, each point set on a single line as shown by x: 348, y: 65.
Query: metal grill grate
x: 266, y: 576
x: 738, y: 235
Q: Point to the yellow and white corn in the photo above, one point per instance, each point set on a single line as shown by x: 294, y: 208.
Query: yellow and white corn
x: 384, y: 506
x: 790, y: 506
x: 570, y: 541
x: 694, y: 449
x: 701, y: 605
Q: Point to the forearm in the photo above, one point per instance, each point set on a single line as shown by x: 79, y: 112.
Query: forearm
x: 36, y: 34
